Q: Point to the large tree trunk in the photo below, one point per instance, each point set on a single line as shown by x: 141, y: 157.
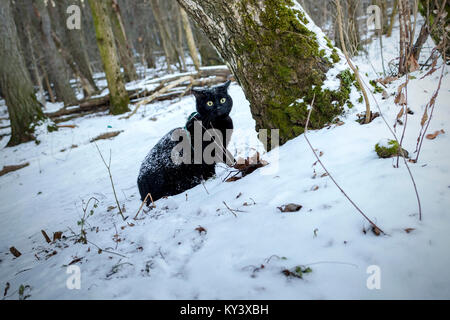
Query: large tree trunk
x: 108, y: 52
x: 15, y: 83
x: 169, y: 47
x: 122, y: 44
x: 180, y: 38
x: 190, y: 39
x: 34, y: 66
x: 164, y: 40
x: 278, y: 60
x: 76, y: 42
x: 56, y: 67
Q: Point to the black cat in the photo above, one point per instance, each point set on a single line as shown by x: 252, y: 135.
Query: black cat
x: 161, y: 176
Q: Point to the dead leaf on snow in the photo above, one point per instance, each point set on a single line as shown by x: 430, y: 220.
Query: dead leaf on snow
x: 57, y: 235
x: 15, y: 252
x: 291, y: 207
x: 200, y: 229
x: 432, y: 136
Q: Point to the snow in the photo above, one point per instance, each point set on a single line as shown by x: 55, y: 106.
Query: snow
x: 384, y: 143
x: 163, y: 256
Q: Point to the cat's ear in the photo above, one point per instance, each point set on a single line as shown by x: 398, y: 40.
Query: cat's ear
x: 197, y: 92
x: 225, y: 85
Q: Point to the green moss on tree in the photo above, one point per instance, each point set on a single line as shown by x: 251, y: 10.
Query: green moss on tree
x: 276, y: 59
x: 108, y: 53
x: 335, y: 56
x: 298, y: 44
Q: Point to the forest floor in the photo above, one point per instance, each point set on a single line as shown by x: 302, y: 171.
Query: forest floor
x: 191, y: 246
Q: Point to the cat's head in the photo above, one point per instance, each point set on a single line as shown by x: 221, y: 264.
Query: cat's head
x: 214, y: 102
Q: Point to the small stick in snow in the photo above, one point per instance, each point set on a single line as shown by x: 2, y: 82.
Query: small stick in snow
x: 46, y: 236
x: 375, y: 227
x: 203, y: 184
x: 233, y: 211
x: 107, y: 251
x: 142, y: 204
x: 15, y: 252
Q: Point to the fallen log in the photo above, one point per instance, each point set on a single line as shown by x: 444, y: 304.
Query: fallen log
x: 157, y: 94
x: 107, y: 135
x: 85, y: 105
x: 207, y: 76
x: 8, y: 169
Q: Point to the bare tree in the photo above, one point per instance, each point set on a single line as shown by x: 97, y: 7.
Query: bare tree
x: 108, y: 52
x: 122, y: 43
x: 190, y: 39
x: 75, y: 42
x: 15, y: 82
x: 436, y: 24
x: 56, y: 67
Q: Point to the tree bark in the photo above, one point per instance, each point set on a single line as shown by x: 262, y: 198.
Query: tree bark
x: 190, y: 39
x: 76, y: 43
x: 162, y: 36
x: 56, y: 67
x: 437, y: 19
x: 122, y: 44
x: 180, y: 39
x: 170, y: 49
x: 15, y: 82
x: 277, y: 60
x: 108, y: 52
x: 89, y: 90
x: 34, y: 66
x: 209, y: 55
x: 392, y: 18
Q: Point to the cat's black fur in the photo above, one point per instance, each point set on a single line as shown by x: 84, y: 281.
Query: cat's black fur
x: 159, y: 175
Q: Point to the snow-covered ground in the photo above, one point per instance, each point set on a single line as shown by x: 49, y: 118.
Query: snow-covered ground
x: 165, y: 256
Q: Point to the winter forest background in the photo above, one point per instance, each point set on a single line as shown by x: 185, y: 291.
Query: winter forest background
x: 351, y: 202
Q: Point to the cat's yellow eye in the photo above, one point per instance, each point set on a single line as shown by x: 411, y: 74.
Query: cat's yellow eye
x: 209, y: 103
x: 223, y: 100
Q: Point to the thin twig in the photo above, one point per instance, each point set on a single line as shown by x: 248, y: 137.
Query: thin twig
x: 331, y: 177
x: 142, y: 204
x: 103, y: 250
x: 232, y: 210
x: 432, y: 103
x: 405, y: 111
x: 203, y: 184
x: 108, y: 167
x: 404, y: 159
